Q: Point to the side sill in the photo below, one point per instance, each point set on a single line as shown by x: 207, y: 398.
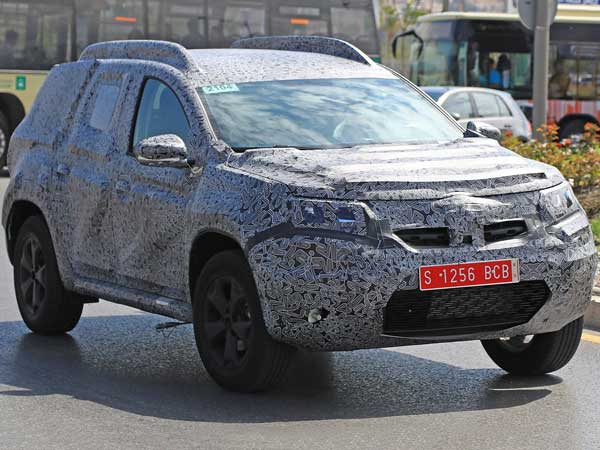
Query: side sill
x: 143, y: 301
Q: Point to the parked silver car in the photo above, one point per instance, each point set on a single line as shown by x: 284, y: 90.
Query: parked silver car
x: 287, y: 193
x: 495, y: 107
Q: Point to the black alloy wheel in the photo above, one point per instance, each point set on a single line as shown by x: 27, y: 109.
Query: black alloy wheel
x: 227, y: 322
x: 230, y: 332
x: 45, y: 305
x: 32, y: 275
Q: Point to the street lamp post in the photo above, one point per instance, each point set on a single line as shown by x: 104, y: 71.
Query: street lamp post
x: 541, y: 45
x: 538, y: 15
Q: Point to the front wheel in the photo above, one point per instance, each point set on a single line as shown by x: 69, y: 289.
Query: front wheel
x: 233, y: 342
x: 537, y: 354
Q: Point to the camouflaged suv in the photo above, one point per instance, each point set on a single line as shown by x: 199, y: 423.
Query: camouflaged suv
x: 287, y: 193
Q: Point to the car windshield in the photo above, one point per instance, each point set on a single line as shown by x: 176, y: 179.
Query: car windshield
x: 323, y: 113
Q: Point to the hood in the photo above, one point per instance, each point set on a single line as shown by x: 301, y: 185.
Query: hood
x: 472, y: 166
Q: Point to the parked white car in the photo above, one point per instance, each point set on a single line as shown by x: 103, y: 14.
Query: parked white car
x: 495, y: 107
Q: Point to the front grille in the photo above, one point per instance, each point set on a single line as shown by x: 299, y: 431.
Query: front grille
x: 500, y: 231
x: 463, y: 310
x: 425, y: 237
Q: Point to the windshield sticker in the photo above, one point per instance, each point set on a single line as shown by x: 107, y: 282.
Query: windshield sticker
x: 220, y: 89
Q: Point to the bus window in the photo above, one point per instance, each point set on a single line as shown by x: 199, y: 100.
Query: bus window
x: 185, y: 22
x: 33, y: 35
x: 244, y: 20
x: 357, y: 21
x: 437, y: 61
x: 351, y: 20
x: 206, y: 23
x: 574, y: 71
x: 438, y: 65
x: 509, y: 71
x: 297, y: 20
x: 109, y: 20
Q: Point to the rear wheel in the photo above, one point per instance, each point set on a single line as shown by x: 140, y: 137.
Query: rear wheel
x: 4, y: 133
x: 536, y: 354
x: 572, y: 128
x: 45, y: 305
x: 233, y: 342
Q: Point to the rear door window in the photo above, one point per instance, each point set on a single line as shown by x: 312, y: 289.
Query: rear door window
x: 486, y: 104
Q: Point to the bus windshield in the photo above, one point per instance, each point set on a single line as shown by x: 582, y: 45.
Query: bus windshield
x: 474, y: 53
x: 498, y: 54
x: 324, y: 113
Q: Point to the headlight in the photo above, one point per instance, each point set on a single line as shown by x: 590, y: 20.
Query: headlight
x: 331, y: 215
x: 557, y: 203
x: 561, y: 213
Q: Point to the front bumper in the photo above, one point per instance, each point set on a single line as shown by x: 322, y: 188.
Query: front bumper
x: 352, y: 283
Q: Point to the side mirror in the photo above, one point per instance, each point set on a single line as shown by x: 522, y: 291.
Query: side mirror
x: 166, y: 150
x: 482, y: 129
x: 455, y: 116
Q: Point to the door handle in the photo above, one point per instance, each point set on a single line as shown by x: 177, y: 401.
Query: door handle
x: 63, y: 169
x: 122, y: 186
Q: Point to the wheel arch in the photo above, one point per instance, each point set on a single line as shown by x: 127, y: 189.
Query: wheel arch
x: 206, y: 244
x: 13, y: 109
x: 578, y: 116
x: 20, y: 211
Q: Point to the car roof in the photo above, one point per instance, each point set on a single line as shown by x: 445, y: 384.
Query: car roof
x: 444, y: 89
x: 435, y: 92
x: 252, y: 59
x: 436, y: 89
x: 224, y: 66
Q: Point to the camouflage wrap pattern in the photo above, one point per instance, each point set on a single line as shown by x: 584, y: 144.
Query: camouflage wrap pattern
x: 317, y: 226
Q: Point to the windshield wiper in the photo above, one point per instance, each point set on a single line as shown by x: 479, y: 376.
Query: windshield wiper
x: 295, y: 147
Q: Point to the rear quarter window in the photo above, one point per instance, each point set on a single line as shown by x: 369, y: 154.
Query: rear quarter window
x: 504, y: 109
x: 104, y: 106
x: 56, y: 102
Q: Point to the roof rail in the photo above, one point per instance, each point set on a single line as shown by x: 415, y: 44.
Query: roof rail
x: 310, y: 44
x: 161, y: 51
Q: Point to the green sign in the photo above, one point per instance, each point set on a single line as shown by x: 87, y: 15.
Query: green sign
x: 20, y: 83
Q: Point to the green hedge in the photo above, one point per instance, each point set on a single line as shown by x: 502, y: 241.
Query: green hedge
x: 578, y: 161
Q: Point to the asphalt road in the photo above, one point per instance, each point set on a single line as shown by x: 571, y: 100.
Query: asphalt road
x: 115, y: 382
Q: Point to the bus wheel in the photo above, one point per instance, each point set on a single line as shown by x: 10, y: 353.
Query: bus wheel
x: 4, y: 133
x: 571, y: 128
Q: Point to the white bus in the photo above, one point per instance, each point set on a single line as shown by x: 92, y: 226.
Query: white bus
x: 496, y: 50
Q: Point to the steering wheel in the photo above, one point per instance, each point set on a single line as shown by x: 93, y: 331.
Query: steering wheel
x: 350, y: 131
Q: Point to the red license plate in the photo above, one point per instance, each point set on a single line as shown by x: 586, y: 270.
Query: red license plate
x: 483, y: 273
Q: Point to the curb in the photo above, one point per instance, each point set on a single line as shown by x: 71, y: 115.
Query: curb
x: 592, y: 315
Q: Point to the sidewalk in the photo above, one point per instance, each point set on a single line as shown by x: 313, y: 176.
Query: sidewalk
x: 592, y: 316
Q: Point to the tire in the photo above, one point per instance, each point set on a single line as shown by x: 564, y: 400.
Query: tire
x: 571, y: 128
x: 45, y: 305
x: 232, y: 340
x: 545, y: 353
x: 4, y: 136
